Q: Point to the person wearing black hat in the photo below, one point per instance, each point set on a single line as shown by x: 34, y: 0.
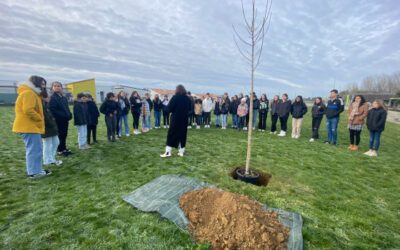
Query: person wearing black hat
x: 334, y: 107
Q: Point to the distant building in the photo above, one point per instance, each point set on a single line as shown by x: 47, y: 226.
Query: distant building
x: 162, y: 93
x: 102, y: 90
x: 87, y: 86
x: 203, y: 96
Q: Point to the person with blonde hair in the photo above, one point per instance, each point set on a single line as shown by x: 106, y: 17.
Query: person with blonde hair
x: 376, y: 120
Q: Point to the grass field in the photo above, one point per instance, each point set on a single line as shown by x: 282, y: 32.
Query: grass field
x: 347, y: 199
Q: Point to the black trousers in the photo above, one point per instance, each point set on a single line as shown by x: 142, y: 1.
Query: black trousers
x: 316, y: 123
x: 91, y: 129
x: 262, y: 120
x: 274, y: 120
x: 206, y: 117
x: 166, y: 118
x: 283, y: 120
x: 62, y: 126
x: 355, y: 137
x: 248, y: 118
x: 111, y: 123
x: 136, y: 117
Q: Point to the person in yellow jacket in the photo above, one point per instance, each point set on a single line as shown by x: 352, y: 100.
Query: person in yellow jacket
x: 29, y: 123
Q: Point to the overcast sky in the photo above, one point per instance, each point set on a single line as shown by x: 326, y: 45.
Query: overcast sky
x: 311, y: 46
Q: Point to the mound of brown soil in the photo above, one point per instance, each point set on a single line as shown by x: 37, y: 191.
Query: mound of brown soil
x: 231, y: 221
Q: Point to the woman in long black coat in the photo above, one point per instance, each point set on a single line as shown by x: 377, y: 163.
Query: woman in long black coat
x: 179, y: 106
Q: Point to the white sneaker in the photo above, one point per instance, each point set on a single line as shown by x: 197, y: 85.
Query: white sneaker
x: 40, y: 175
x: 282, y: 133
x: 275, y: 132
x: 165, y: 155
x: 57, y: 163
x: 368, y: 152
x: 312, y: 140
x: 127, y: 135
x: 373, y: 153
x: 180, y: 154
x: 245, y: 128
x: 198, y: 127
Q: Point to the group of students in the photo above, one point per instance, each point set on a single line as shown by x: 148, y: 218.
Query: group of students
x: 43, y: 120
x: 359, y: 114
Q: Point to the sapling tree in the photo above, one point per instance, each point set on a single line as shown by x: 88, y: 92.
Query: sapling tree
x: 250, y: 46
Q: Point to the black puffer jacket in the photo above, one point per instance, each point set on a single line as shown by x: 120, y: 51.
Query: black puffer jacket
x: 256, y: 104
x: 93, y: 113
x: 58, y: 105
x: 80, y: 113
x: 109, y: 107
x: 49, y: 122
x: 158, y: 106
x: 136, y: 104
x: 318, y: 110
x: 217, y: 109
x: 376, y: 119
x: 298, y: 110
x: 225, y: 107
x: 284, y: 108
x: 233, y: 107
x: 274, y: 107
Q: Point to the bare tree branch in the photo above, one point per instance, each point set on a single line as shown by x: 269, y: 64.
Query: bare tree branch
x: 240, y: 50
x: 245, y: 18
x: 240, y: 38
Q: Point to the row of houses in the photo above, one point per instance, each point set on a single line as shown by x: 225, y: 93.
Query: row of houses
x: 8, y: 91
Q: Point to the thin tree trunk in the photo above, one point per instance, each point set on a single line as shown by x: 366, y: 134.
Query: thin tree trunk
x: 250, y: 128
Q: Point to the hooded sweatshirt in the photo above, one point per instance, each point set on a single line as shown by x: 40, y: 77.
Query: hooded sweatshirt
x: 29, y: 117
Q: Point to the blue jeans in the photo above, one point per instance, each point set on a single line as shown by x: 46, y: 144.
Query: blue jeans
x: 217, y: 120
x: 331, y: 126
x: 82, y: 135
x: 147, y: 122
x: 374, y: 140
x: 34, y: 152
x: 224, y: 120
x: 126, y: 125
x: 241, y: 122
x: 255, y: 114
x: 157, y: 118
x: 234, y: 120
x: 50, y: 145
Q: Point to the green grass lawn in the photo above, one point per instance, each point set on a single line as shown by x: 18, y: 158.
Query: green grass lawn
x: 347, y: 199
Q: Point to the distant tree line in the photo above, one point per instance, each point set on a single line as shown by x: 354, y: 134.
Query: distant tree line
x: 383, y: 84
